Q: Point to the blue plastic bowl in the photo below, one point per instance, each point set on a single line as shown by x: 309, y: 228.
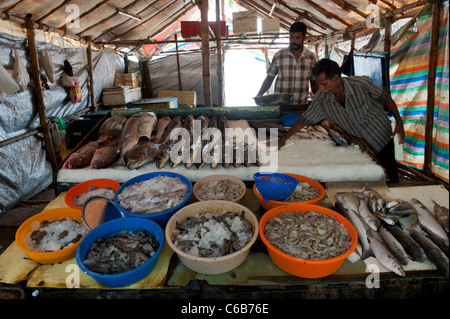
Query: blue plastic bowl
x: 275, y: 186
x: 289, y: 119
x: 163, y: 217
x: 110, y: 229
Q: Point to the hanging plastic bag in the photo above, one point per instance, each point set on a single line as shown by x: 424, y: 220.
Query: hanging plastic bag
x: 20, y: 73
x: 47, y: 65
x: 7, y: 84
x: 67, y: 78
x: 75, y: 92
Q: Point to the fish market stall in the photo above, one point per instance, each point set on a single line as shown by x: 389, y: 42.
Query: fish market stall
x: 258, y: 276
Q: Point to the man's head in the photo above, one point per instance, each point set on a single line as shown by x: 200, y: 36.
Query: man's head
x: 297, y: 33
x: 327, y: 75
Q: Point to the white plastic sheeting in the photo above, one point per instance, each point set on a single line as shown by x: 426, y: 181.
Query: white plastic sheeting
x: 24, y: 170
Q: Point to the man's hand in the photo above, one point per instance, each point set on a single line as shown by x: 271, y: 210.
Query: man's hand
x: 400, y: 131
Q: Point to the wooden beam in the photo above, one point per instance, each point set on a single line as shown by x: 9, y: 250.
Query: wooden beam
x: 49, y: 13
x: 63, y: 26
x: 205, y: 53
x: 91, y: 75
x: 431, y: 83
x: 35, y: 72
x: 180, y: 85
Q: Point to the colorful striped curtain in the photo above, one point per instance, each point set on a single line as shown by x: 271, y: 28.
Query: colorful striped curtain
x: 409, y: 72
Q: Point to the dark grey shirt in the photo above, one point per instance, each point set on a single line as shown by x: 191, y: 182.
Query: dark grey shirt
x: 362, y: 116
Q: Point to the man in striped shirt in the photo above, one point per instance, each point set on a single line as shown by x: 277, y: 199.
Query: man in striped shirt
x: 356, y: 105
x: 292, y: 67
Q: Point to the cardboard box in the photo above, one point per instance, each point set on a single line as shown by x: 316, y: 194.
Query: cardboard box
x: 186, y: 99
x: 126, y: 79
x: 245, y: 22
x: 270, y: 25
x: 121, y: 95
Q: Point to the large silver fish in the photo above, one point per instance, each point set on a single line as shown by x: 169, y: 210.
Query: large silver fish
x: 348, y: 199
x: 411, y: 247
x: 441, y: 214
x: 437, y: 257
x: 359, y: 227
x: 385, y: 257
x: 377, y: 202
x: 394, y: 245
x: 372, y: 221
x: 429, y: 222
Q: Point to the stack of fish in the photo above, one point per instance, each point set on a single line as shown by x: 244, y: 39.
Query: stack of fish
x: 397, y: 231
x: 326, y: 130
x: 143, y: 138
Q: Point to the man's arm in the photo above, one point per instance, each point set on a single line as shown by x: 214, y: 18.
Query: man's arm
x: 399, y: 129
x: 294, y: 129
x: 266, y: 84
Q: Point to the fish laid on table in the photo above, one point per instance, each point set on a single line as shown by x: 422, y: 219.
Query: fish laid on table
x: 429, y: 222
x: 105, y: 156
x: 359, y: 227
x: 163, y: 156
x: 364, y: 211
x: 195, y: 147
x: 176, y: 122
x: 437, y: 257
x: 111, y: 128
x: 139, y: 124
x: 142, y: 153
x: 412, y: 248
x: 385, y: 257
x: 394, y: 246
x: 82, y: 157
x: 212, y: 147
x: 441, y: 214
x: 183, y: 142
x: 161, y: 126
x: 227, y: 147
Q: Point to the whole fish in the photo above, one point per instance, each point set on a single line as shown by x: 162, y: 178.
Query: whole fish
x: 161, y: 126
x: 82, y: 157
x: 142, y: 153
x: 394, y: 211
x: 377, y: 202
x: 111, y: 128
x: 177, y: 121
x: 227, y: 147
x: 212, y: 147
x: 183, y: 142
x: 394, y: 245
x: 429, y: 222
x: 412, y: 248
x: 433, y: 252
x: 441, y: 214
x: 196, y: 145
x: 338, y: 138
x: 359, y: 226
x: 372, y: 221
x: 105, y: 156
x: 139, y: 124
x: 163, y: 156
x: 385, y: 257
x: 349, y: 200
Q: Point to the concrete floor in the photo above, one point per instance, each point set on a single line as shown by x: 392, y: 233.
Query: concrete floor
x: 12, y: 219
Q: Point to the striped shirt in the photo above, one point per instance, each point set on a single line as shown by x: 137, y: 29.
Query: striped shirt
x: 363, y: 115
x: 292, y: 76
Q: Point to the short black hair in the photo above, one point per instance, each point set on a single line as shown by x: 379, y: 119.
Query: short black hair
x: 327, y: 66
x: 298, y: 27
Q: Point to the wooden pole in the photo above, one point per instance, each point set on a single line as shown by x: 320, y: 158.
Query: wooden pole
x: 35, y: 72
x: 205, y: 53
x: 180, y: 86
x: 91, y: 76
x: 433, y: 59
x: 219, y: 53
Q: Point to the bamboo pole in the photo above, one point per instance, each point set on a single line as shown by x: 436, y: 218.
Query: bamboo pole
x: 91, y: 76
x: 433, y: 59
x: 219, y: 53
x: 205, y: 53
x: 180, y: 85
x: 35, y: 72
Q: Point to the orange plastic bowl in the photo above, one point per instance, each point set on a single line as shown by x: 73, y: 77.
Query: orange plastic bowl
x: 48, y: 215
x: 84, y: 186
x: 266, y: 205
x: 306, y: 268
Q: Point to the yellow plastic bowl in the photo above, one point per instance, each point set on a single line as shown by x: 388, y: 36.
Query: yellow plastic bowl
x: 306, y: 268
x: 48, y: 215
x: 269, y: 204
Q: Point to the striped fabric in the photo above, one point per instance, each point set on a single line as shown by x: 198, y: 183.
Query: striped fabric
x: 409, y: 71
